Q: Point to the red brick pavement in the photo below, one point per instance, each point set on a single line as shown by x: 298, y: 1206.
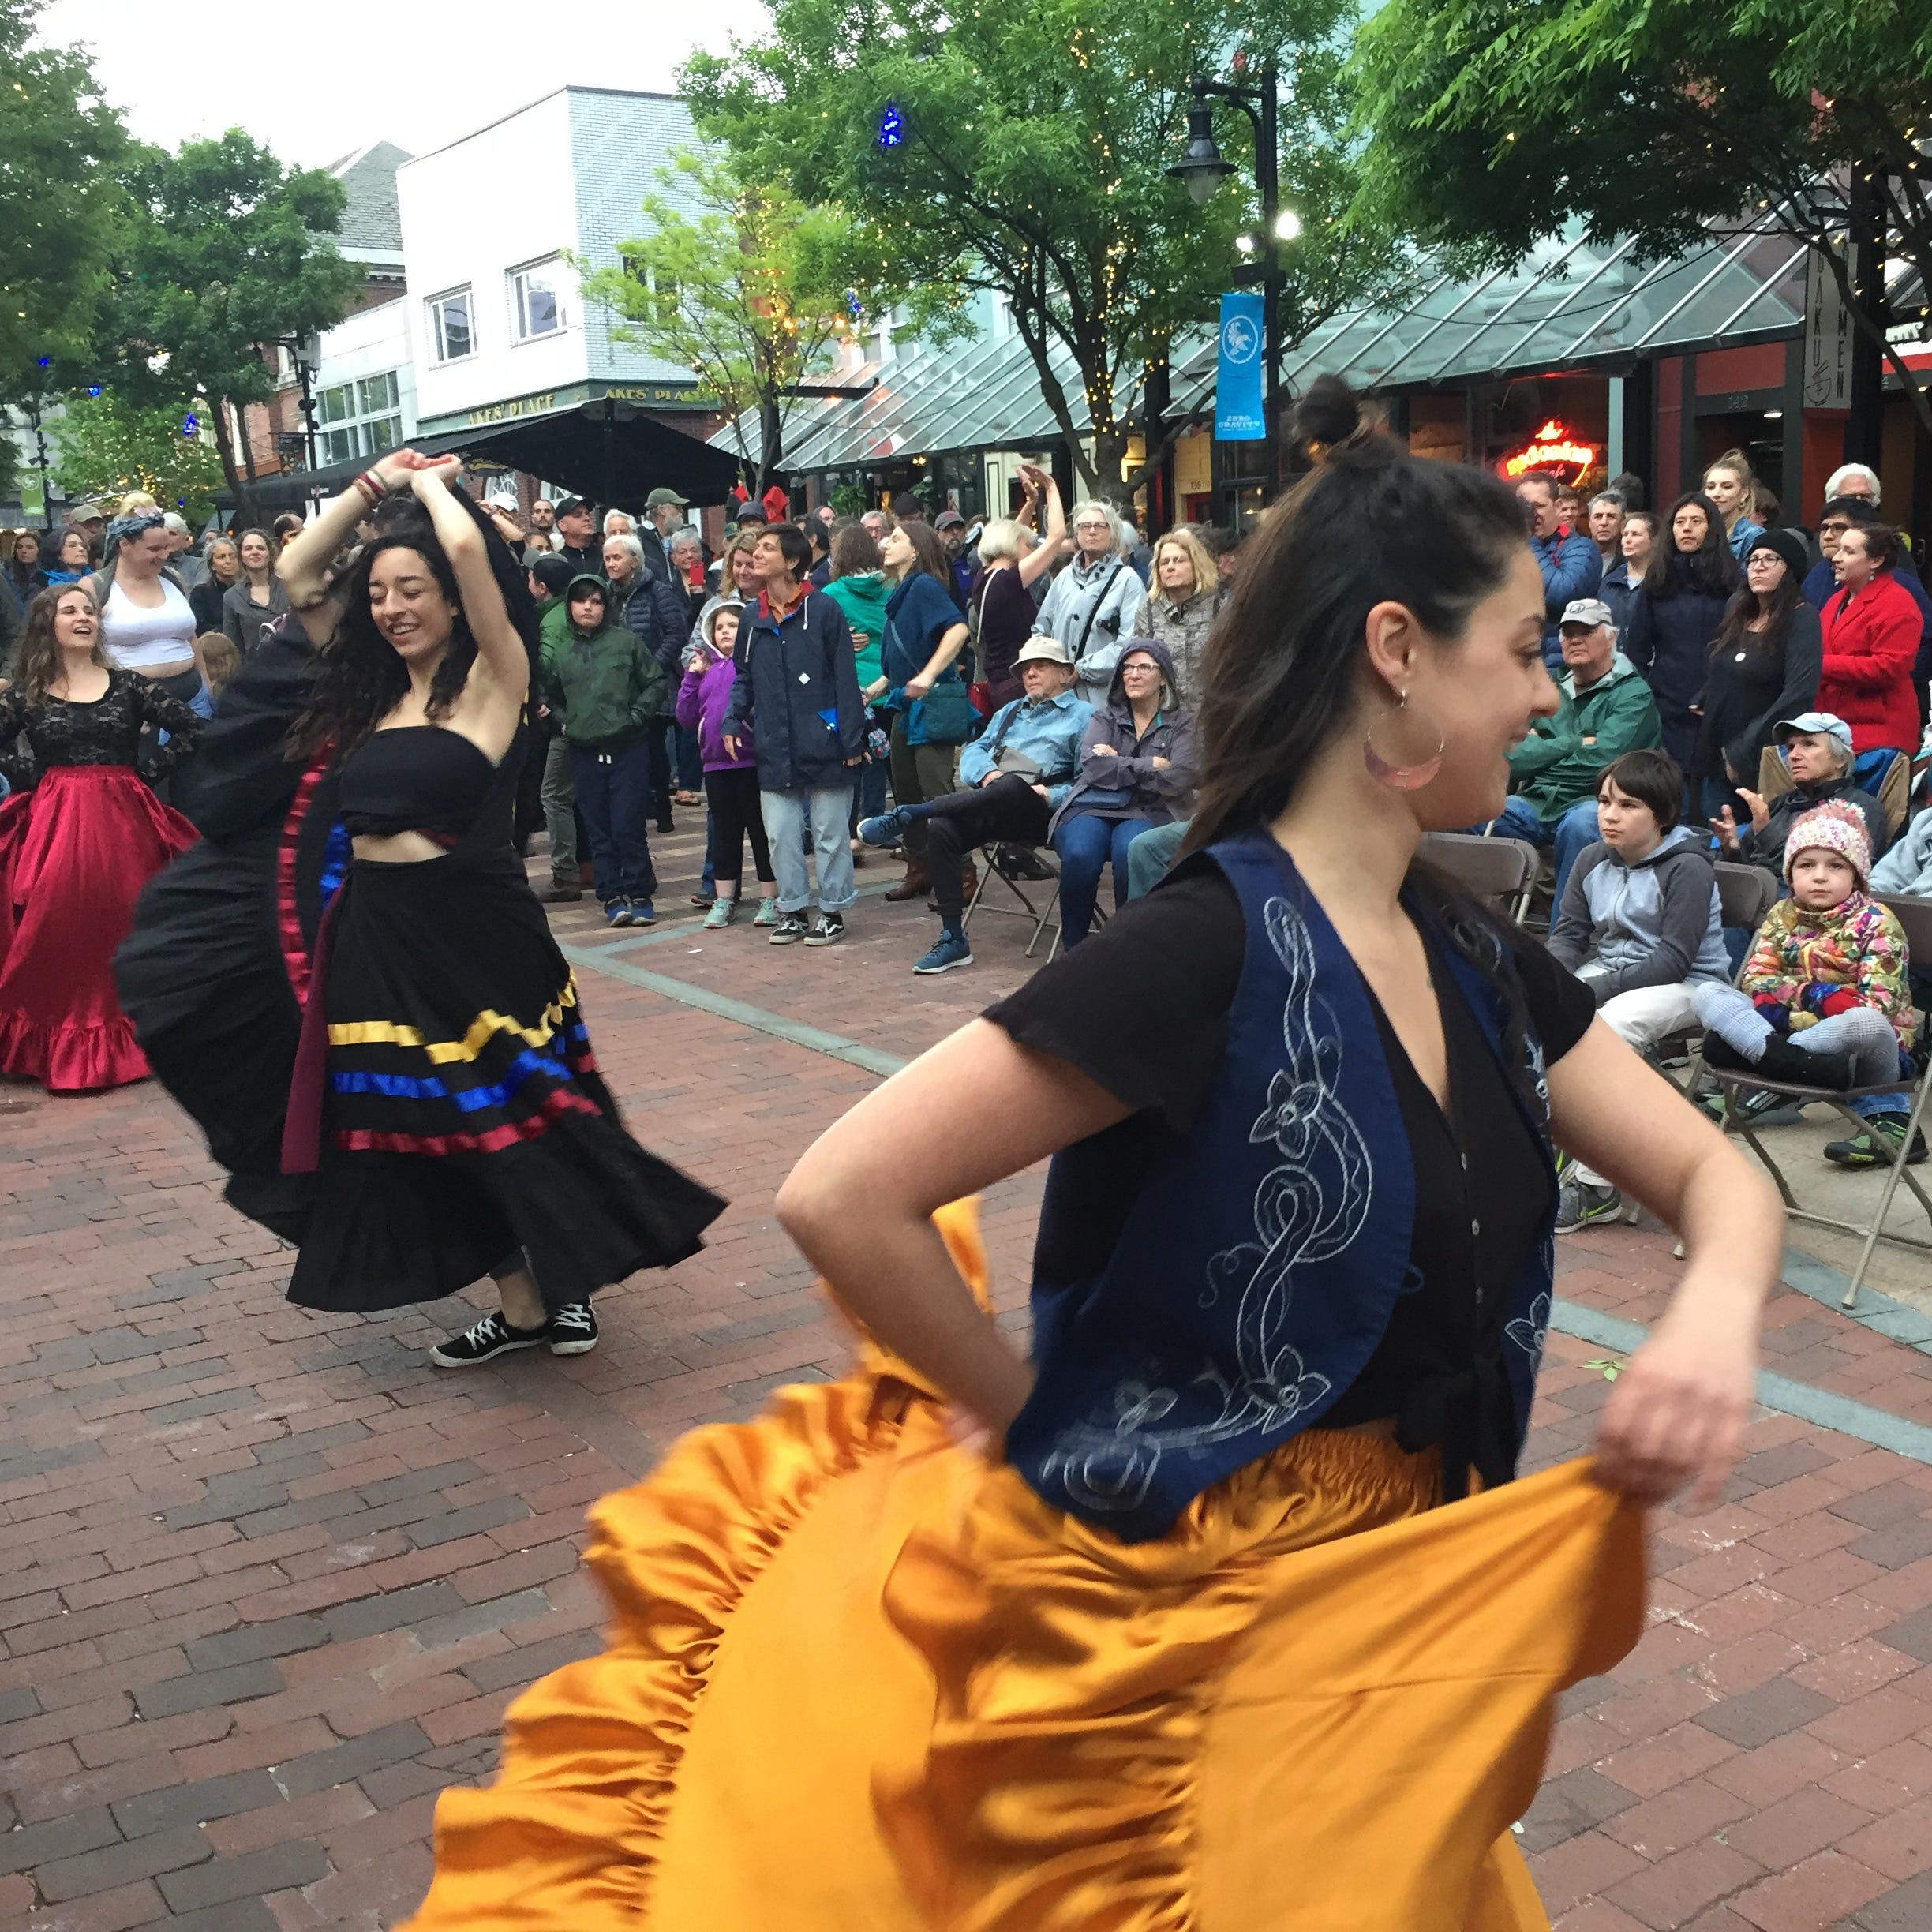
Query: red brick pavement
x: 273, y: 1580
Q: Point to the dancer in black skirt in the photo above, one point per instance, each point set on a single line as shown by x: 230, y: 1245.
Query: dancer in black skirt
x: 444, y: 1094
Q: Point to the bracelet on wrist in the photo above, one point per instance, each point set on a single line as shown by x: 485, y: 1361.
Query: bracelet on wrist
x: 371, y: 486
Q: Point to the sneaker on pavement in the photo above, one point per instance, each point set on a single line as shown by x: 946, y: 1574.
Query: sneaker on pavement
x: 704, y: 901
x: 643, y: 912
x: 573, y: 1329
x: 1878, y: 1146
x: 560, y: 892
x: 485, y: 1340
x: 828, y: 929
x: 1579, y: 1204
x: 886, y: 829
x: 617, y: 913
x: 723, y: 911
x: 953, y: 950
x: 767, y: 914
x: 791, y: 929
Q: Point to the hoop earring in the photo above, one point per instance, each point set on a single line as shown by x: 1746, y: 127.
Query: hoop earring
x: 1400, y: 776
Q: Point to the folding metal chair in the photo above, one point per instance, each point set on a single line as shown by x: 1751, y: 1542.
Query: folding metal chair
x: 1499, y: 869
x: 1915, y: 916
x: 1042, y: 916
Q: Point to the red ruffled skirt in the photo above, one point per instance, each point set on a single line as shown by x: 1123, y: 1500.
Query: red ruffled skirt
x: 75, y: 852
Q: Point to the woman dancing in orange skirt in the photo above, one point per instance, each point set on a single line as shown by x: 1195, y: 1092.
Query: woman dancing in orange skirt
x: 1232, y: 1618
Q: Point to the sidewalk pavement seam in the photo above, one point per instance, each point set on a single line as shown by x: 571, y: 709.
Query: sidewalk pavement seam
x: 1779, y: 1393
x: 1877, y: 1426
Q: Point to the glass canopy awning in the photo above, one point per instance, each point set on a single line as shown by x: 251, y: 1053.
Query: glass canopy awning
x: 1571, y: 305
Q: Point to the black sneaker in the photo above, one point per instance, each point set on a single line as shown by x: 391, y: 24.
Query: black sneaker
x: 827, y: 930
x: 485, y: 1340
x: 1751, y: 1104
x: 1878, y: 1146
x: 792, y: 928
x: 1023, y: 861
x: 573, y: 1329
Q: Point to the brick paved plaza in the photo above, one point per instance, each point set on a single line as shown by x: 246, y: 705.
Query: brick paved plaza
x: 271, y: 1579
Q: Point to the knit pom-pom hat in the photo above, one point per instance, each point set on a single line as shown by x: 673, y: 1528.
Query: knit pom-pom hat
x: 1834, y: 827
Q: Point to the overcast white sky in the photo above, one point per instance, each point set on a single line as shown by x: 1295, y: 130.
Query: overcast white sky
x: 314, y: 82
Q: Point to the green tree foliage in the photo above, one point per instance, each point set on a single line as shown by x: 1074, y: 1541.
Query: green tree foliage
x: 734, y: 280
x: 60, y: 205
x: 229, y: 253
x: 1033, y: 138
x: 1494, y: 122
x: 108, y: 445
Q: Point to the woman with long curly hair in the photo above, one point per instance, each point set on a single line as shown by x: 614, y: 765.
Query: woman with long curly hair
x: 81, y: 833
x: 444, y: 1093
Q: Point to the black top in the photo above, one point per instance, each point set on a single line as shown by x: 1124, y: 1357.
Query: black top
x: 415, y: 778
x: 1141, y: 1009
x: 107, y: 731
x: 204, y: 599
x: 1748, y: 686
x: 1006, y: 614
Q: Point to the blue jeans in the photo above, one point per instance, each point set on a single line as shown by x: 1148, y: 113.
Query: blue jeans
x: 1568, y: 836
x: 827, y: 810
x: 1085, y: 843
x: 1152, y: 856
x: 614, y: 795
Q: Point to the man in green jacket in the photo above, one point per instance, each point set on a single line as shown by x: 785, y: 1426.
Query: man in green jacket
x: 602, y: 681
x: 1607, y: 709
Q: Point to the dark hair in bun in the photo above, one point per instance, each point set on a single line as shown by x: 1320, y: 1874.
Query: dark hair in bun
x: 1328, y: 412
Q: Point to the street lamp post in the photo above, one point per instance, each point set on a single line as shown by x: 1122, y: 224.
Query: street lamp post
x: 1202, y: 167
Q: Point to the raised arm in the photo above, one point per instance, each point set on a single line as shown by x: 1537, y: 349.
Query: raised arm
x: 500, y: 654
x: 304, y: 564
x: 1053, y: 542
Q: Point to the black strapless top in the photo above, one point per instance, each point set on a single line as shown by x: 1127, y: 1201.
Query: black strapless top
x: 424, y: 778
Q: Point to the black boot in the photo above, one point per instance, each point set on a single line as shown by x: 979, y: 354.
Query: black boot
x: 1781, y: 1060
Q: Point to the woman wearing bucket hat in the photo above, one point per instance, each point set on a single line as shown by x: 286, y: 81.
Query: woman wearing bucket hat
x: 1817, y: 752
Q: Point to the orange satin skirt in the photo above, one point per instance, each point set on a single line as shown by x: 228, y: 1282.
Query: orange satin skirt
x: 861, y: 1679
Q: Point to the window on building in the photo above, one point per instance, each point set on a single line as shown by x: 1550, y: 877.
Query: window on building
x: 660, y: 292
x: 536, y: 304
x: 359, y: 419
x: 451, y: 332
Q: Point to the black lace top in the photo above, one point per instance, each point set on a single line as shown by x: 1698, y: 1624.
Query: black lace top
x: 107, y: 731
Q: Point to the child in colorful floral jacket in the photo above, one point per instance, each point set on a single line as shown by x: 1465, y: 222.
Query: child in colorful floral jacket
x: 1823, y: 1001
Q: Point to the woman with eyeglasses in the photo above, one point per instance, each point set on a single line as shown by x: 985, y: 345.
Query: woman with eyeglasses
x: 1762, y: 666
x: 1094, y: 604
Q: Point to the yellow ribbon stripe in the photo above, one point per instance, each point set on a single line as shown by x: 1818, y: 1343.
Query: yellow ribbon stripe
x: 484, y: 1028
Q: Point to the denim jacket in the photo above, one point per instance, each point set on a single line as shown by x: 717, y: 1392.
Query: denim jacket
x: 1049, y: 732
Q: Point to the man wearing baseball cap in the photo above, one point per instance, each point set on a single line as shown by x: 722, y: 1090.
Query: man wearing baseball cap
x: 1606, y: 710
x: 577, y: 529
x: 663, y: 510
x: 952, y: 528
x: 1015, y: 775
x: 1817, y: 753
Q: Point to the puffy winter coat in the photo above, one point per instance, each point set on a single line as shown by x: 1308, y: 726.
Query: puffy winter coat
x: 704, y: 698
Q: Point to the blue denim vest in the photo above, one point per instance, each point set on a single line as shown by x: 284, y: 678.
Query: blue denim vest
x: 1257, y: 1272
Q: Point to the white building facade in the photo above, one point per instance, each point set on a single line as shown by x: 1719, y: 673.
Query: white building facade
x: 491, y: 226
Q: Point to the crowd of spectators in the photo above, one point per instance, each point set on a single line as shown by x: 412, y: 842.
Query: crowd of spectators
x: 1024, y: 686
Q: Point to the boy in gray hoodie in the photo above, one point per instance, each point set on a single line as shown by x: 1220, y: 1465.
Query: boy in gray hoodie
x: 1639, y: 926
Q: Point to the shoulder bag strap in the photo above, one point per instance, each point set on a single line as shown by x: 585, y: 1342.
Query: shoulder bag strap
x: 1079, y: 650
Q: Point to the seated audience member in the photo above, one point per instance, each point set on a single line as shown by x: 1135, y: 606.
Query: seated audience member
x: 1907, y: 868
x: 1823, y: 999
x: 1606, y: 710
x: 1017, y: 774
x: 1136, y: 772
x: 1817, y: 753
x: 1639, y: 925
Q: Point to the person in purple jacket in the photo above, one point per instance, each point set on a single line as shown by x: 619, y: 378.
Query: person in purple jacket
x: 731, y: 784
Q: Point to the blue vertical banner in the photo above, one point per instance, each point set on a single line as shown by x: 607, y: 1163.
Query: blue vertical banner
x: 1239, y: 415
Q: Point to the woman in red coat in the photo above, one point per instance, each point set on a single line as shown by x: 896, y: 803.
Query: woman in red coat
x: 1870, y: 627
